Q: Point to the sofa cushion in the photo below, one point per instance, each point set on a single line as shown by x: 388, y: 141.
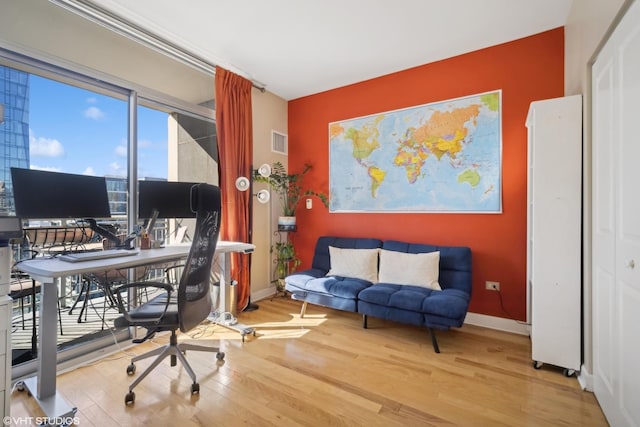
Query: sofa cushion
x: 356, y: 263
x: 321, y: 259
x: 299, y: 279
x: 455, y: 262
x: 448, y: 303
x: 398, y: 296
x: 419, y: 269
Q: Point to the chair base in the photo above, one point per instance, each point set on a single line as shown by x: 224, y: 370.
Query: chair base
x: 176, y: 351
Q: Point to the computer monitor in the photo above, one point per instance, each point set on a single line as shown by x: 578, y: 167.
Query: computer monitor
x: 41, y: 194
x: 170, y: 199
x: 10, y: 228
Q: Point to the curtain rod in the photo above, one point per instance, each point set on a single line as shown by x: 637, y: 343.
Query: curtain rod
x: 113, y: 22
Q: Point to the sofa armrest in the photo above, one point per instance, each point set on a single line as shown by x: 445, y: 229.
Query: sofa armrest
x: 449, y: 303
x: 299, y: 278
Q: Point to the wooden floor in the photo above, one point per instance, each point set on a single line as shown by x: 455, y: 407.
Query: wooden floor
x: 326, y: 370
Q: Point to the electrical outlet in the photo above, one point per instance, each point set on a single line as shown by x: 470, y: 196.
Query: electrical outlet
x: 492, y: 286
x: 309, y: 203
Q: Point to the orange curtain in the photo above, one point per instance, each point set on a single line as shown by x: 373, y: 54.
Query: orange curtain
x: 235, y: 156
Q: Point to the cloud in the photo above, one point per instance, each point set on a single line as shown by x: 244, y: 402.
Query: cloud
x: 116, y: 169
x: 44, y: 147
x: 92, y: 100
x: 45, y: 168
x: 89, y: 171
x: 144, y: 143
x: 121, y: 151
x: 94, y: 113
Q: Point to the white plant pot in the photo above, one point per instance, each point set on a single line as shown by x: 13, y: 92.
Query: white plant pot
x: 288, y: 221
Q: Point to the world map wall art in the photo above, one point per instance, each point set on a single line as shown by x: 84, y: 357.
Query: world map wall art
x: 439, y: 157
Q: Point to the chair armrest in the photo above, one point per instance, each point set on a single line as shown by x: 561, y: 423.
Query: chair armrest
x: 169, y: 270
x: 140, y: 285
x: 166, y: 286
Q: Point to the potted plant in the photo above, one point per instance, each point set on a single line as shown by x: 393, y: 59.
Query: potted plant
x: 286, y: 261
x: 289, y: 189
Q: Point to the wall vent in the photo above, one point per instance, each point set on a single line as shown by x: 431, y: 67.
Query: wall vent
x: 279, y: 143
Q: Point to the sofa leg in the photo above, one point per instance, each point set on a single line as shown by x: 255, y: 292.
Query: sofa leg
x: 434, y: 341
x: 304, y: 309
x: 364, y: 321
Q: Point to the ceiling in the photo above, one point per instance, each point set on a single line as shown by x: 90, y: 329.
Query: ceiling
x: 296, y: 48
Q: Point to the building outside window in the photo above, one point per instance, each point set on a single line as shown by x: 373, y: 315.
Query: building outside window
x: 14, y: 130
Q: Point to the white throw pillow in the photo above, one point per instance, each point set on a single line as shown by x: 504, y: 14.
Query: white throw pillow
x: 356, y: 263
x: 402, y: 268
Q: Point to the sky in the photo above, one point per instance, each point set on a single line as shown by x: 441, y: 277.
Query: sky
x: 73, y: 130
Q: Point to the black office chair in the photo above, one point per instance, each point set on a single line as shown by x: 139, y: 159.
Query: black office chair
x: 191, y: 305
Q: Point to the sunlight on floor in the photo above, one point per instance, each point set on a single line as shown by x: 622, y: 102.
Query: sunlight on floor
x: 295, y: 327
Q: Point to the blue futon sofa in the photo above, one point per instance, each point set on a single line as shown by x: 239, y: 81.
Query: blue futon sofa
x: 345, y: 284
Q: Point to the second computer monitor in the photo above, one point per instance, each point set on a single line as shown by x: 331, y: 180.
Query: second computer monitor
x: 170, y: 199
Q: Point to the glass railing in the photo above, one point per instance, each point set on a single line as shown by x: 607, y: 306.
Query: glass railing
x: 86, y: 309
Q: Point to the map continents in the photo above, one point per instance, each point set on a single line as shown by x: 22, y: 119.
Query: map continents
x: 439, y: 157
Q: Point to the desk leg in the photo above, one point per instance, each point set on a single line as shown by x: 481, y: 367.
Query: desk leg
x: 223, y: 260
x: 43, y: 386
x: 221, y: 266
x: 241, y: 328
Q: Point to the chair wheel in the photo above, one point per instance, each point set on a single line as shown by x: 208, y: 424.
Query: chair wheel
x: 220, y: 355
x: 131, y: 369
x: 195, y: 388
x: 130, y: 398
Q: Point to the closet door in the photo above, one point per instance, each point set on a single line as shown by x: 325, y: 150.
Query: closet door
x: 616, y: 223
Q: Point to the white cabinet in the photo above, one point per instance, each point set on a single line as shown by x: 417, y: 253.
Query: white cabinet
x: 554, y: 231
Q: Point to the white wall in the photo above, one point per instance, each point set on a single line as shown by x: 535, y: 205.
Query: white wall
x: 587, y: 27
x: 270, y: 112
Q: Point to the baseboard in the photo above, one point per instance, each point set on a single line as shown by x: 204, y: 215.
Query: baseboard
x: 263, y: 294
x: 498, y: 323
x: 585, y: 378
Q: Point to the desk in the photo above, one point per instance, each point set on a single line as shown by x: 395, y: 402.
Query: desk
x: 48, y: 270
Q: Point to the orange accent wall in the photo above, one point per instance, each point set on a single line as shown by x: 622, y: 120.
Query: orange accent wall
x: 525, y: 70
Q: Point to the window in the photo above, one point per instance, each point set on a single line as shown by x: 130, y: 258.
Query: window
x: 59, y: 120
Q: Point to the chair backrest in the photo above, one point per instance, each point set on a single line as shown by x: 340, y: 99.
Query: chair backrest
x: 194, y: 289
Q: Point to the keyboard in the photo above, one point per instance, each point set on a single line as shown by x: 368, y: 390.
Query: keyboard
x: 94, y: 255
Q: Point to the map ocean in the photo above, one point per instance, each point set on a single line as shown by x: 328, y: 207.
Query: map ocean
x: 439, y: 157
